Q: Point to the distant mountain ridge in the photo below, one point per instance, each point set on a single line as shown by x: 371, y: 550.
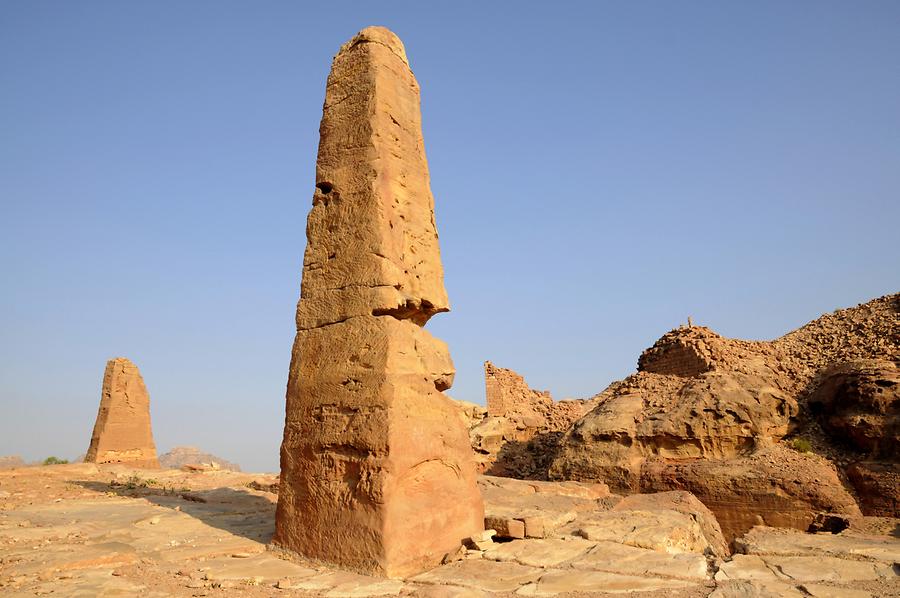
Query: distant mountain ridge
x: 180, y: 456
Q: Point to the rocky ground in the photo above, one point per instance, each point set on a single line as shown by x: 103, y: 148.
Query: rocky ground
x: 83, y: 530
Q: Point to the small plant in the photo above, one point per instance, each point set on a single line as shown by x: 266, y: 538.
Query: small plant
x: 801, y: 445
x: 55, y: 461
x: 134, y: 482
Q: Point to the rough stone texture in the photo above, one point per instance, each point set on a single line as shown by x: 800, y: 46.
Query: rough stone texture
x: 714, y: 416
x: 377, y: 470
x: 122, y: 432
x: 878, y: 487
x: 111, y: 531
x: 776, y: 486
x: 541, y: 508
x: 859, y: 403
x: 516, y: 435
x: 849, y: 545
x: 681, y: 502
x: 180, y: 456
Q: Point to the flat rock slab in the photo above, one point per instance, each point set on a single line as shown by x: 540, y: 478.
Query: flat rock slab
x: 826, y: 568
x: 821, y: 591
x: 628, y: 560
x: 448, y: 592
x: 756, y: 589
x: 90, y: 584
x: 540, y: 553
x: 344, y: 584
x: 804, y: 569
x: 745, y: 567
x: 490, y: 576
x: 786, y: 542
x: 543, y: 507
x: 565, y: 581
x: 260, y: 568
x: 664, y: 531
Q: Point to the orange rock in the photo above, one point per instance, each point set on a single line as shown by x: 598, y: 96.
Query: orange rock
x: 122, y: 433
x: 377, y: 474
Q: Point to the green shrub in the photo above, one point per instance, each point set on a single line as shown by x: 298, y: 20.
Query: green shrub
x: 55, y: 461
x: 801, y: 445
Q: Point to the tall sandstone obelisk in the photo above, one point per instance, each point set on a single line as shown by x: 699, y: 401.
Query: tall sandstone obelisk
x: 122, y: 433
x: 377, y: 474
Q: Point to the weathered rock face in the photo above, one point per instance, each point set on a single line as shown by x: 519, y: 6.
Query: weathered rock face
x: 878, y: 486
x: 716, y: 415
x: 776, y: 486
x: 710, y: 415
x: 859, y: 403
x: 517, y: 433
x: 122, y: 433
x: 377, y: 471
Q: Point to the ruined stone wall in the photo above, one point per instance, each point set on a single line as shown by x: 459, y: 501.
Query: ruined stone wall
x: 682, y: 352
x: 508, y: 394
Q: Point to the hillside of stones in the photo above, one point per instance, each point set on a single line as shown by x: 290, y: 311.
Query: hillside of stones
x: 763, y: 432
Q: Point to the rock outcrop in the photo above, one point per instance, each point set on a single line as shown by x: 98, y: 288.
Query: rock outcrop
x: 181, y: 456
x: 376, y: 469
x: 859, y: 403
x: 122, y: 432
x: 715, y: 416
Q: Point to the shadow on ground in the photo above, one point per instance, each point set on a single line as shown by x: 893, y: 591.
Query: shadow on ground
x: 236, y: 511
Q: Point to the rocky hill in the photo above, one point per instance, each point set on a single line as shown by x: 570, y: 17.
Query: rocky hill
x: 762, y: 432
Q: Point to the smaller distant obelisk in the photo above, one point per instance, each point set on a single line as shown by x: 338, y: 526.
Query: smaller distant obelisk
x: 122, y: 433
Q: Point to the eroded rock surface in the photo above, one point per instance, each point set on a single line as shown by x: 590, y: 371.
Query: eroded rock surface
x: 377, y: 471
x: 715, y: 416
x: 516, y: 435
x: 122, y: 433
x: 110, y: 530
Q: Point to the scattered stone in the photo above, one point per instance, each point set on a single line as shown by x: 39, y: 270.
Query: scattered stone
x: 482, y: 540
x: 505, y: 527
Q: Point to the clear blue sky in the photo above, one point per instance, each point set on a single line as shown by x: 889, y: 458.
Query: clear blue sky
x: 601, y: 170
